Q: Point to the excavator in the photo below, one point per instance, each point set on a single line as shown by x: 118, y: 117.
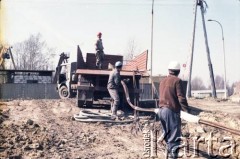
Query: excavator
x: 5, y: 53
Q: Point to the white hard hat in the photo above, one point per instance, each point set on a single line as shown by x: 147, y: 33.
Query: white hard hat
x: 118, y: 64
x: 174, y: 65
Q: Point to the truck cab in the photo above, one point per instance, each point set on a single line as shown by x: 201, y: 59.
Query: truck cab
x: 65, y: 77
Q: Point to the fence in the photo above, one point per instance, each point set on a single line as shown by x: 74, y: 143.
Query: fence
x: 28, y: 91
x: 48, y: 91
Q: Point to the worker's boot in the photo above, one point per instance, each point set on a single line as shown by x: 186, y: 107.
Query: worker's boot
x: 173, y: 154
x: 114, y: 117
x: 114, y: 113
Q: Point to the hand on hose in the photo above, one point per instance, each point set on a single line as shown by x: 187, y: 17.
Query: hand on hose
x: 127, y: 80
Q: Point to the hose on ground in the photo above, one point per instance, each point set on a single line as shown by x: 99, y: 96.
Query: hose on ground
x: 91, y: 117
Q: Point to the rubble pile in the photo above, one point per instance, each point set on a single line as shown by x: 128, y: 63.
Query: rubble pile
x: 45, y: 129
x: 31, y: 140
x: 3, y: 116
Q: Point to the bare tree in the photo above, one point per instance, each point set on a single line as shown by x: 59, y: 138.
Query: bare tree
x: 231, y: 88
x: 219, y: 82
x: 130, y: 50
x: 235, y: 88
x: 32, y: 54
x: 197, y: 84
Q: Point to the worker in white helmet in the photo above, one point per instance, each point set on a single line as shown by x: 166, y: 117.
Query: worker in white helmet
x: 99, y: 51
x: 172, y: 101
x: 114, y: 82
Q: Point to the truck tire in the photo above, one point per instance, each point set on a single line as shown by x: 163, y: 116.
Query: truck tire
x: 64, y: 93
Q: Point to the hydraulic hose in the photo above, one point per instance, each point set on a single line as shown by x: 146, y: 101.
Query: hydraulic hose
x: 130, y: 103
x: 91, y: 117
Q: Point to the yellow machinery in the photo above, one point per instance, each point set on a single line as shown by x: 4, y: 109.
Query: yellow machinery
x: 5, y: 53
x: 2, y: 52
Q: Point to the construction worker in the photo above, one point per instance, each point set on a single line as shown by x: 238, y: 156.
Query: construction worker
x: 172, y: 101
x: 114, y: 82
x: 99, y: 51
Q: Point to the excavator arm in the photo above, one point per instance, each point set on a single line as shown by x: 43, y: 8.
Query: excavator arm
x: 63, y: 59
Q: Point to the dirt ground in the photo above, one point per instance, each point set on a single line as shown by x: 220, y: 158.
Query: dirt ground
x: 46, y: 129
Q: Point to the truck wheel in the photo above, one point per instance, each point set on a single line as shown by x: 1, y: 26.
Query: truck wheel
x: 64, y: 93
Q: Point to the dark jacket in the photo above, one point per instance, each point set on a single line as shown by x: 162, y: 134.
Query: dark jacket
x: 172, y: 95
x: 114, y: 80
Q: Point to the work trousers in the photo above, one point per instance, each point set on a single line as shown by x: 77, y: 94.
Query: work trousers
x: 116, y: 100
x: 99, y: 59
x: 171, y: 125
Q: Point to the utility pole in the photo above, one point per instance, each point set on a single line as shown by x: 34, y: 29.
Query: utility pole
x: 224, y: 60
x: 208, y: 52
x: 192, y: 51
x: 200, y: 3
x: 152, y: 48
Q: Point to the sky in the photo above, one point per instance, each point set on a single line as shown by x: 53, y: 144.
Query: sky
x: 64, y: 24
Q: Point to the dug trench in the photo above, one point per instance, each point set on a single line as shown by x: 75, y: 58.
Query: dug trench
x: 46, y: 129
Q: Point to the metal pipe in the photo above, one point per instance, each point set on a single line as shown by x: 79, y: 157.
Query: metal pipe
x: 216, y: 125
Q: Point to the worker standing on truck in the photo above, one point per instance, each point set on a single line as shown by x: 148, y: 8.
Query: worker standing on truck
x: 114, y: 82
x: 172, y: 101
x: 99, y: 51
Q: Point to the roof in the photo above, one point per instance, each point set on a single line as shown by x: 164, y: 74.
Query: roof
x: 138, y: 63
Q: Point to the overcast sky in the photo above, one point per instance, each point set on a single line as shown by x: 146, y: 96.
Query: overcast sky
x: 64, y: 24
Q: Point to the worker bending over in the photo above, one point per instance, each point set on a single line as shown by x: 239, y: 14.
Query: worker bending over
x: 114, y: 82
x: 99, y: 51
x: 172, y: 101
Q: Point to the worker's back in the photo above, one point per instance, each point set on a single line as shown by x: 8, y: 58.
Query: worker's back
x: 169, y: 91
